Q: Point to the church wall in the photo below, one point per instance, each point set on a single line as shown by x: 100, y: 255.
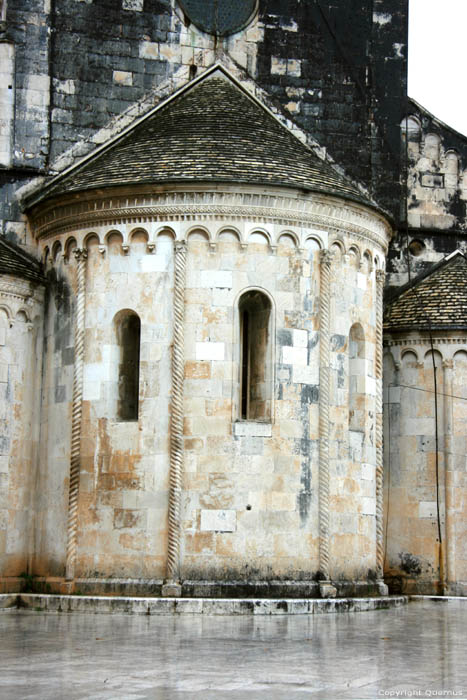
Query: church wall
x: 328, y: 67
x: 20, y: 371
x: 413, y: 553
x: 436, y: 196
x: 250, y: 494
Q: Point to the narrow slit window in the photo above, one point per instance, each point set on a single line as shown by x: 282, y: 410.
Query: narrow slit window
x: 129, y: 337
x: 255, y: 357
x: 357, y: 397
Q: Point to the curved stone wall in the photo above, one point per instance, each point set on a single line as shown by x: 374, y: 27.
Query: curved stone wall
x: 251, y: 499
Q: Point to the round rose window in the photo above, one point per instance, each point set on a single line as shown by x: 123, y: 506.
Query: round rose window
x: 219, y: 17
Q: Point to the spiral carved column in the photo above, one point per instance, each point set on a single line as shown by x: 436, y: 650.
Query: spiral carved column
x: 326, y: 589
x: 172, y: 584
x: 383, y: 590
x: 77, y: 407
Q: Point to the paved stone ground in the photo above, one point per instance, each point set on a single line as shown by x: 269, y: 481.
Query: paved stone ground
x: 414, y: 651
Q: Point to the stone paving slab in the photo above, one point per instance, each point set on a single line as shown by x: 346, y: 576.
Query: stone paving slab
x: 411, y: 651
x: 199, y: 606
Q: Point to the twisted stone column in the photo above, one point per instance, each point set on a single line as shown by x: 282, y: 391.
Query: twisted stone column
x: 172, y: 585
x: 326, y: 589
x: 383, y: 589
x: 77, y: 408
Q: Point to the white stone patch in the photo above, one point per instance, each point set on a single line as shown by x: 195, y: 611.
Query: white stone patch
x: 216, y: 278
x: 427, y: 509
x: 149, y: 49
x: 122, y: 77
x: 294, y: 356
x: 4, y: 464
x: 368, y: 472
x: 135, y: 5
x: 210, y: 351
x: 361, y: 280
x: 252, y: 429
x: 300, y: 338
x: 278, y: 65
x: 2, y: 336
x: 370, y: 386
x: 3, y: 373
x: 222, y: 297
x: 153, y: 263
x: 305, y: 374
x: 381, y: 18
x: 91, y: 391
x: 368, y: 506
x: 96, y: 372
x: 220, y: 520
x: 66, y: 87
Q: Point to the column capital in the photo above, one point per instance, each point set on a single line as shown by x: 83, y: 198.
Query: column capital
x: 325, y: 257
x: 380, y: 276
x: 80, y: 253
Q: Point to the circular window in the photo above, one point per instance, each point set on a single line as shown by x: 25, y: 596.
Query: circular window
x: 219, y: 17
x: 416, y: 247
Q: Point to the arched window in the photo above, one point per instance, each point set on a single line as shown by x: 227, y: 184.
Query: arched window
x: 128, y: 334
x: 256, y: 370
x: 357, y: 375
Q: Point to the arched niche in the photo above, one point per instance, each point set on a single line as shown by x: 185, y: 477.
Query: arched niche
x: 259, y: 238
x: 114, y: 241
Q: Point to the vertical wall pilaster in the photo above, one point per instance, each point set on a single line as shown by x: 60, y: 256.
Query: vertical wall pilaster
x: 172, y: 585
x: 380, y: 275
x: 326, y: 589
x: 449, y: 484
x: 76, y: 416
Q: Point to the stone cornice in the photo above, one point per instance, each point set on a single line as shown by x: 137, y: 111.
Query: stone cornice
x: 182, y: 204
x: 444, y: 340
x: 20, y: 289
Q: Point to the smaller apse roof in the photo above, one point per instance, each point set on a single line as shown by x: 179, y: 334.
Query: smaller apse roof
x: 213, y: 131
x: 14, y: 261
x: 437, y: 298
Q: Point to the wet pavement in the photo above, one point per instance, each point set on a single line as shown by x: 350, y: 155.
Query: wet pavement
x: 416, y: 651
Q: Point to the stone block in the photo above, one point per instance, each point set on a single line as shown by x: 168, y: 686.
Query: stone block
x: 300, y: 338
x: 210, y: 351
x: 121, y: 77
x: 427, y: 509
x: 133, y: 5
x: 368, y: 506
x: 367, y: 472
x: 216, y: 278
x: 294, y: 356
x: 218, y: 520
x: 252, y: 429
x: 305, y: 374
x: 149, y: 50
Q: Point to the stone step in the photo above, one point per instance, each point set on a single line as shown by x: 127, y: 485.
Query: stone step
x: 201, y: 606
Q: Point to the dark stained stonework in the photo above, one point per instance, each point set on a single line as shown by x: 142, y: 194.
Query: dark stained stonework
x: 349, y: 89
x: 14, y: 261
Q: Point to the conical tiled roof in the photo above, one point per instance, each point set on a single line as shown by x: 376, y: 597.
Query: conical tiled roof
x: 212, y: 132
x: 436, y: 299
x: 14, y: 261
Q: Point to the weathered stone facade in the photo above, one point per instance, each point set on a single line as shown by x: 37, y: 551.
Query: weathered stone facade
x: 197, y: 406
